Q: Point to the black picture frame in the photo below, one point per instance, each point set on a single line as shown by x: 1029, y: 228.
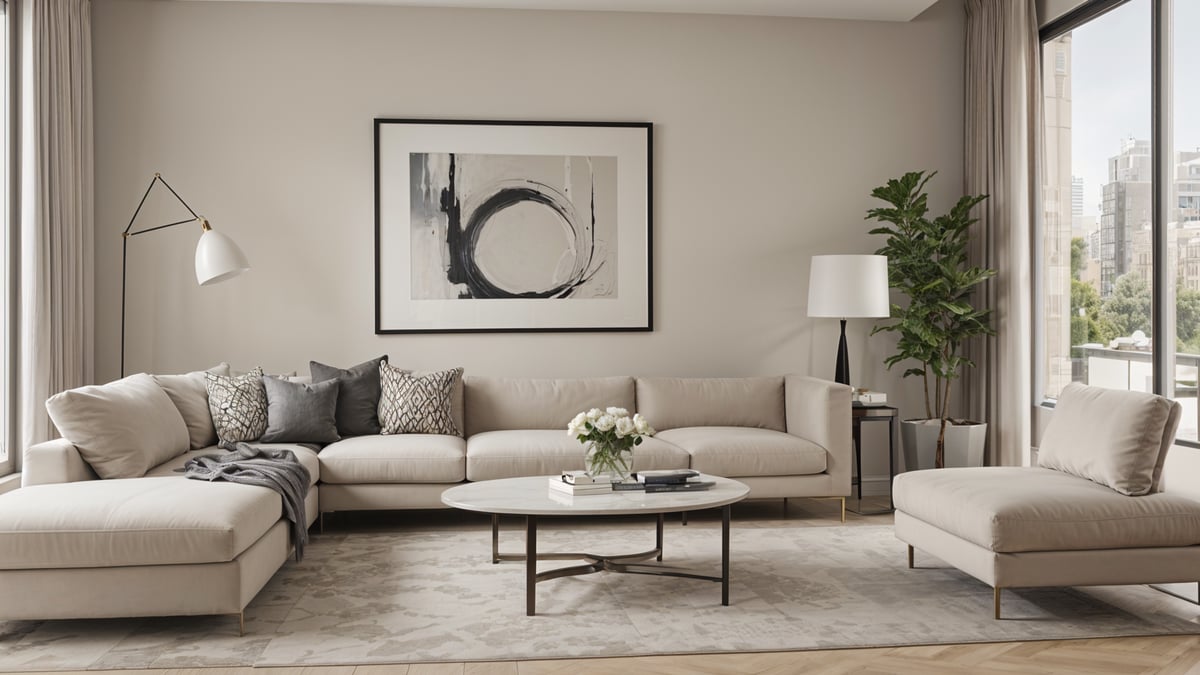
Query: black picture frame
x: 468, y: 215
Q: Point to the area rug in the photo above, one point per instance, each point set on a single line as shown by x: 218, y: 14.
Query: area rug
x: 430, y: 596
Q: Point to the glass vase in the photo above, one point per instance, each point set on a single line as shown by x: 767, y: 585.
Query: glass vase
x: 605, y: 462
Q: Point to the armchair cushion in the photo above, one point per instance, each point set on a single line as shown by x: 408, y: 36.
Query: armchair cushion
x: 1115, y: 438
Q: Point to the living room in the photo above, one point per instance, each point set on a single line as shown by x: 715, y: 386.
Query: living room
x: 763, y: 127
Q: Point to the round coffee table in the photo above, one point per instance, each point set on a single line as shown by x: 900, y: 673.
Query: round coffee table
x: 531, y: 497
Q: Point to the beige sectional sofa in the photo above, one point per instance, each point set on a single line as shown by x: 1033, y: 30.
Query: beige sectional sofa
x: 72, y: 545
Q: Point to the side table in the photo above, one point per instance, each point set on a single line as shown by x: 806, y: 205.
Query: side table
x: 861, y: 413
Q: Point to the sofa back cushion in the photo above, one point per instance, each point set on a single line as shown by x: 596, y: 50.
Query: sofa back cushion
x: 1113, y: 437
x: 500, y: 403
x: 123, y: 428
x: 675, y: 402
x: 190, y: 396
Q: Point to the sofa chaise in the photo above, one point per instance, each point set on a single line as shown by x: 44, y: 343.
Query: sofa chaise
x: 1092, y: 513
x: 75, y: 546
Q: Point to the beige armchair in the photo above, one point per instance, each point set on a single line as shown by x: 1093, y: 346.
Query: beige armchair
x: 1090, y: 514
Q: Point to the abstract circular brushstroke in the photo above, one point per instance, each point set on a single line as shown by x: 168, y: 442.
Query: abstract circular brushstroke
x: 504, y: 195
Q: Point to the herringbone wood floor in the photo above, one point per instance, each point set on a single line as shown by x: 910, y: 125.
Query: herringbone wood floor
x: 1172, y: 655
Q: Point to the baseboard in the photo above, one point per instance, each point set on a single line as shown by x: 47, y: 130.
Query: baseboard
x: 10, y: 482
x: 875, y: 486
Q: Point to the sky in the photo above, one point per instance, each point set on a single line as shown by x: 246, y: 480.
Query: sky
x: 1110, y: 88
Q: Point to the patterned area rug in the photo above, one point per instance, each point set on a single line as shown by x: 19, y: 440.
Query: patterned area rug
x: 433, y: 596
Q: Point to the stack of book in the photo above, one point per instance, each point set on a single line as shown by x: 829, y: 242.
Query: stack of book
x: 578, y: 483
x: 680, y: 480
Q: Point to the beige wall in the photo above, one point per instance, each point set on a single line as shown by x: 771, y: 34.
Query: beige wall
x: 769, y: 135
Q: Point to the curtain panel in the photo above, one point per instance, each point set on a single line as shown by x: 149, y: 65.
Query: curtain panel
x: 55, y: 333
x: 1002, y: 128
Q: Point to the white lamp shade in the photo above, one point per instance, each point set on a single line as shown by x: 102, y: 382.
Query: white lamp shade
x: 218, y: 258
x: 848, y: 287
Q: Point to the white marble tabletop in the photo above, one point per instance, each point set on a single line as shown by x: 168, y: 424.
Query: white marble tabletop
x: 531, y: 496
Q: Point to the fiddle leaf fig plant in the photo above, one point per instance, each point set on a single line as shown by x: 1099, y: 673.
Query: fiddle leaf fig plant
x: 927, y: 262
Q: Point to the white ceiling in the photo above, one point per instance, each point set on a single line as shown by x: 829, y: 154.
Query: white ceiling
x: 863, y: 10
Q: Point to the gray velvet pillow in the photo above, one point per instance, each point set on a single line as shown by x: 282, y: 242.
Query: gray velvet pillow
x: 358, y: 398
x: 300, y: 413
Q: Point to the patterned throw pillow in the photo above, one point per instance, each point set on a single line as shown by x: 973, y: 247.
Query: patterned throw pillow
x: 238, y: 406
x: 416, y: 404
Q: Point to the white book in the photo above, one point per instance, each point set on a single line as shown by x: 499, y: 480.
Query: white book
x: 557, y: 484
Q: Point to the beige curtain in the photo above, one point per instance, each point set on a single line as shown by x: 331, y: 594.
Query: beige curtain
x: 1003, y: 121
x: 56, y: 299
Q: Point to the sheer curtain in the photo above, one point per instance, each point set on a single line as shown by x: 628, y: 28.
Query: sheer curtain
x: 56, y: 299
x: 1003, y: 119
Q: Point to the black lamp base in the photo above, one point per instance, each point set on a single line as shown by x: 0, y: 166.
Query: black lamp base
x: 841, y: 372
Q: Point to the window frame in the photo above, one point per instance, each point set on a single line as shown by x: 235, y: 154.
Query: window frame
x: 1162, y: 309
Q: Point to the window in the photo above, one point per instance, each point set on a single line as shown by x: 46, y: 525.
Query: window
x: 1134, y: 232
x: 7, y: 101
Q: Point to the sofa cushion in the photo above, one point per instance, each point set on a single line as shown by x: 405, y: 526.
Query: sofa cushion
x: 238, y: 405
x: 190, y: 396
x: 299, y: 412
x: 405, y: 458
x: 500, y: 403
x: 674, y: 402
x: 306, y: 456
x: 746, y: 451
x: 545, y: 452
x: 1015, y: 509
x: 1114, y: 437
x: 358, y: 396
x: 411, y: 403
x: 123, y: 428
x: 135, y: 521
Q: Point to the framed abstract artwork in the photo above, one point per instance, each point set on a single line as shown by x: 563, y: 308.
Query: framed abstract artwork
x: 486, y: 226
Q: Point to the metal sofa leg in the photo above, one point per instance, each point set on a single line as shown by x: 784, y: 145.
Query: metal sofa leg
x: 844, y: 510
x: 996, y: 601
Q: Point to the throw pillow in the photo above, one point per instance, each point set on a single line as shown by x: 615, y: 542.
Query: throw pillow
x: 122, y: 429
x: 238, y: 406
x: 300, y: 413
x: 358, y: 397
x: 417, y: 404
x: 1115, y: 438
x: 190, y: 395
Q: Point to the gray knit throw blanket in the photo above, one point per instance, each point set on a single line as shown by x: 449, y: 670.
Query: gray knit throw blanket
x: 275, y: 469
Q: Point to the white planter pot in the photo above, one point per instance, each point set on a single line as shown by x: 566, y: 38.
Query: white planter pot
x: 964, y: 443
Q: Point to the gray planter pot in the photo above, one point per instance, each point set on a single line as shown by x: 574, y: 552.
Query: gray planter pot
x: 964, y: 443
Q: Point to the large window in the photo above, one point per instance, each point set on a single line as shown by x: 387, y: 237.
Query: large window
x: 7, y: 100
x: 1119, y: 266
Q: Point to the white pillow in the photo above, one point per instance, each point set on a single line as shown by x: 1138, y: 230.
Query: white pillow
x: 1112, y: 437
x: 190, y: 395
x: 122, y: 429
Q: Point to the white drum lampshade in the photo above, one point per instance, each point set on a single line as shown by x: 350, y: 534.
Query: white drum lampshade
x: 848, y: 287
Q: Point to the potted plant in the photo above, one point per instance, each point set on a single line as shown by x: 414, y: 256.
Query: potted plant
x: 927, y: 262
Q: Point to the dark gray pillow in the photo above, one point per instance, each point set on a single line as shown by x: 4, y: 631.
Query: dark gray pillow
x: 300, y: 413
x: 358, y: 399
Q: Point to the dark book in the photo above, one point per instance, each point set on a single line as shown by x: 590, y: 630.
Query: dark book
x: 666, y: 476
x: 690, y: 486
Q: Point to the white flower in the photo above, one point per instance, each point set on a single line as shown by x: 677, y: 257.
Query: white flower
x: 625, y: 427
x: 575, y: 430
x: 604, y: 422
x: 617, y: 412
x: 643, y: 427
x: 594, y: 414
x: 580, y: 419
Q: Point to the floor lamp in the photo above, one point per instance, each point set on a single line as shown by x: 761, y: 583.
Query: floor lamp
x: 217, y: 257
x: 848, y: 287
